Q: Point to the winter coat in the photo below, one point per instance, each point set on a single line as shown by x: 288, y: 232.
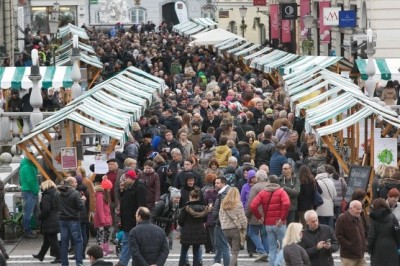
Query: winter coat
x: 386, y: 184
x: 191, y: 220
x: 102, y: 215
x: 152, y: 182
x: 132, y: 197
x: 131, y: 149
x: 283, y: 134
x: 310, y: 240
x: 187, y: 149
x: 382, y: 244
x: 341, y: 188
x: 276, y: 163
x: 275, y: 203
x: 206, y: 154
x: 295, y: 255
x: 292, y: 188
x: 230, y: 175
x: 389, y: 96
x: 84, y: 213
x: 102, y: 262
x: 70, y: 203
x: 165, y: 213
x: 328, y: 194
x: 351, y: 236
x: 255, y: 189
x: 90, y: 189
x: 210, y: 195
x: 195, y: 138
x: 49, y: 209
x: 185, y: 191
x: 244, y: 193
x: 217, y: 205
x: 305, y: 198
x: 253, y: 148
x: 28, y: 176
x: 169, y: 146
x: 222, y: 154
x: 148, y: 245
x: 264, y: 152
x: 183, y: 176
x: 233, y: 218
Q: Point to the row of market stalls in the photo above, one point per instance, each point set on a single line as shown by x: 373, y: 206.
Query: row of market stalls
x: 335, y: 109
x: 109, y: 108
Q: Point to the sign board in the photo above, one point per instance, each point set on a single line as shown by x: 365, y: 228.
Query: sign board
x: 289, y: 11
x: 385, y: 151
x: 68, y: 158
x: 56, y: 146
x: 358, y: 178
x: 331, y: 16
x: 100, y: 164
x: 259, y: 2
x: 347, y: 19
x: 181, y: 11
x: 223, y: 14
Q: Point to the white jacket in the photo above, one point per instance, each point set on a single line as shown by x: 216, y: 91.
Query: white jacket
x: 328, y: 194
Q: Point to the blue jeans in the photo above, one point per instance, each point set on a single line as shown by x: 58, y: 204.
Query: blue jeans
x: 279, y: 259
x: 259, y: 238
x: 327, y: 220
x: 71, y: 230
x: 275, y: 233
x: 30, y: 200
x: 125, y: 252
x: 221, y: 247
x: 184, y: 255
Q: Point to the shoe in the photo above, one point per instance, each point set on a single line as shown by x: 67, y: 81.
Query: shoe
x: 106, y: 249
x: 251, y: 255
x: 30, y: 236
x: 55, y: 261
x: 36, y: 256
x: 261, y: 257
x: 114, y: 241
x: 73, y: 257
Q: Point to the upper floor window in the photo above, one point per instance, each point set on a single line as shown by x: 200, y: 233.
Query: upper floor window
x: 138, y: 15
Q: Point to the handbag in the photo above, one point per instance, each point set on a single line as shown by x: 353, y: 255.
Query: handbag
x: 317, y: 199
x: 343, y: 204
x: 242, y: 231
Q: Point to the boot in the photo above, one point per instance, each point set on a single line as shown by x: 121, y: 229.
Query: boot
x: 106, y: 249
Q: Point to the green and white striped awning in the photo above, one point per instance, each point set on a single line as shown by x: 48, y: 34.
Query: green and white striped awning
x: 385, y: 68
x: 18, y: 77
x: 70, y: 28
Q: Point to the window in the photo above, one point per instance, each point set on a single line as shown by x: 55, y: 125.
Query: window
x: 138, y: 15
x: 232, y: 27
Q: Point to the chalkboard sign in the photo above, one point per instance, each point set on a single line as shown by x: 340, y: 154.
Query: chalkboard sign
x: 358, y: 178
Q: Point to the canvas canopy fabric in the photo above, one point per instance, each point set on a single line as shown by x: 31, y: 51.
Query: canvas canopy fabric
x: 65, y: 59
x: 212, y: 37
x: 385, y: 68
x: 72, y: 29
x: 18, y: 77
x: 112, y: 105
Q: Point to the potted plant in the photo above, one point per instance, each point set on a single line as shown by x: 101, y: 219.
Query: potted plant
x: 307, y: 46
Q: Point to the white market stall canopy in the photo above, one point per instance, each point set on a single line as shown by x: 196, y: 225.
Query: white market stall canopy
x: 194, y: 25
x: 18, y: 77
x: 72, y: 29
x: 385, y: 68
x: 65, y: 59
x: 112, y: 105
x: 212, y: 37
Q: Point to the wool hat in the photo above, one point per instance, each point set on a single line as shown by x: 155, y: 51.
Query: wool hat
x: 394, y: 192
x: 269, y: 111
x: 250, y: 174
x: 175, y: 192
x: 79, y: 179
x: 131, y: 175
x: 106, y: 184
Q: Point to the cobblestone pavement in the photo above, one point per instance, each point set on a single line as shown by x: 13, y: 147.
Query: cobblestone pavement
x: 21, y: 251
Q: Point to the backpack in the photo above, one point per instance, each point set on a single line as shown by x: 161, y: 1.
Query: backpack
x: 283, y: 135
x: 230, y: 179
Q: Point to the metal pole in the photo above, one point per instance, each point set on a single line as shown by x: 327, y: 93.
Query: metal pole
x: 243, y: 27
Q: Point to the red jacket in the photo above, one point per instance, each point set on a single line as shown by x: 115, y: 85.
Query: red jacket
x: 275, y: 203
x: 102, y: 215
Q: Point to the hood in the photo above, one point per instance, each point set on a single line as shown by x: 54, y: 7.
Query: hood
x: 197, y: 209
x: 322, y: 176
x: 98, y: 188
x: 250, y: 174
x: 271, y: 187
x: 65, y: 190
x: 26, y: 161
x: 380, y: 215
x: 81, y: 187
x: 229, y: 170
x: 389, y: 182
x: 222, y: 149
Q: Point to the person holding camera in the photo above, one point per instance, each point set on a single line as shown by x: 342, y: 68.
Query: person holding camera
x: 318, y: 240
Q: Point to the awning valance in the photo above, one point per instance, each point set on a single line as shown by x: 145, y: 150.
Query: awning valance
x: 70, y: 28
x: 385, y: 68
x: 18, y: 77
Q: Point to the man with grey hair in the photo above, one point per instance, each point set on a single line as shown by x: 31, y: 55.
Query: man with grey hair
x: 175, y: 166
x: 325, y: 211
x: 255, y: 231
x: 319, y: 240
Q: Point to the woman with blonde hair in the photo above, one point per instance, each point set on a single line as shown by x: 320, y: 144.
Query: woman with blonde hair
x: 49, y: 221
x: 293, y: 253
x: 233, y: 222
x: 187, y: 144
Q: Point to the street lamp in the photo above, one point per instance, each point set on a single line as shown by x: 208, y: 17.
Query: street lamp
x: 309, y: 23
x: 370, y: 51
x: 243, y: 26
x: 54, y: 22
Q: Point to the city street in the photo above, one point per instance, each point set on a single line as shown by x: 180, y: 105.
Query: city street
x: 20, y: 253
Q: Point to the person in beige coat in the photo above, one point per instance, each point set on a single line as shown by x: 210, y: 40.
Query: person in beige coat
x: 233, y: 222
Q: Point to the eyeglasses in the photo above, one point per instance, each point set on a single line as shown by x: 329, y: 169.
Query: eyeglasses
x: 285, y: 168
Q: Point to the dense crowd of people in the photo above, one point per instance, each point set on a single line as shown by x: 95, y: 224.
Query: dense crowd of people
x: 219, y: 159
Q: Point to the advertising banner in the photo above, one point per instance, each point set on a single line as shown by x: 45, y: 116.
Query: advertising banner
x: 289, y: 11
x: 347, y: 19
x: 324, y: 30
x: 259, y: 2
x: 274, y: 14
x: 304, y: 10
x: 286, y: 34
x: 331, y: 16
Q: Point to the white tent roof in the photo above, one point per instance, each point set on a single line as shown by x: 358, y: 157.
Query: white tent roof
x: 212, y: 37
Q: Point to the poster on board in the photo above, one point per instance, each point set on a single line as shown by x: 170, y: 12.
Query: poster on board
x: 385, y: 151
x: 68, y: 158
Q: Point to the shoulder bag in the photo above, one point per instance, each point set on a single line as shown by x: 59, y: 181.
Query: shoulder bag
x: 317, y: 199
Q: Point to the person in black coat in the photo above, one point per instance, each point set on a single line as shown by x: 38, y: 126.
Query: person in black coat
x: 95, y: 254
x: 193, y: 232
x: 147, y: 242
x: 169, y: 143
x: 319, y: 240
x: 382, y: 244
x: 133, y: 196
x: 49, y: 222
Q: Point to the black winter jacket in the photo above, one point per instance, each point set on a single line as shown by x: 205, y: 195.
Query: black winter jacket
x: 191, y: 219
x: 70, y: 203
x: 148, y: 245
x: 131, y: 199
x: 84, y: 213
x: 49, y: 208
x: 264, y: 152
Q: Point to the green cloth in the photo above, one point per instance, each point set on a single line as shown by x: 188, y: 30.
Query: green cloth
x: 28, y: 176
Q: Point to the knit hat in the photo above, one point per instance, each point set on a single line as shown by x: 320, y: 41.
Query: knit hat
x: 394, y: 192
x: 79, y: 179
x: 175, y: 192
x: 131, y: 175
x: 250, y: 174
x: 106, y: 184
x: 269, y: 111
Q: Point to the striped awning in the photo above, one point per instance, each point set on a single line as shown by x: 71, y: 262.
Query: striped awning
x: 18, y: 77
x: 385, y: 68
